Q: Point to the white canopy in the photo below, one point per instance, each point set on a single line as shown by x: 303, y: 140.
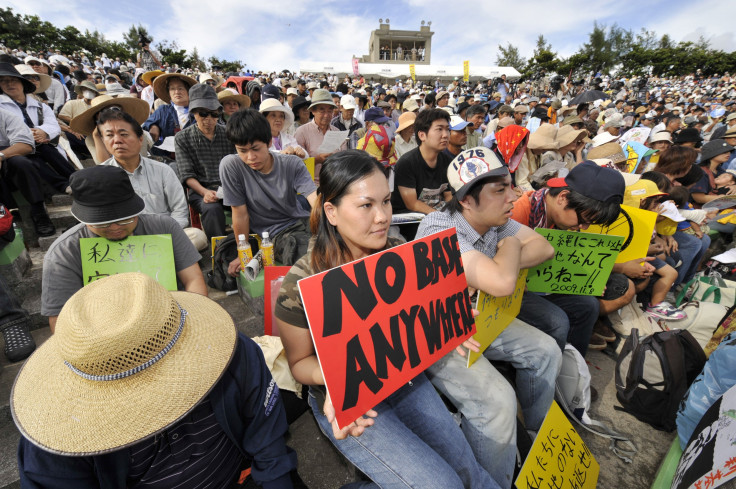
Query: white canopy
x: 387, y: 70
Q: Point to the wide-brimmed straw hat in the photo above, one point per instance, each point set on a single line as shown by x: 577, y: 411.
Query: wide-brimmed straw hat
x: 544, y: 138
x: 227, y: 94
x: 611, y: 151
x: 273, y: 105
x: 160, y: 88
x: 121, y: 367
x: 84, y: 123
x: 568, y: 134
x: 149, y: 76
x: 26, y: 70
x: 406, y: 119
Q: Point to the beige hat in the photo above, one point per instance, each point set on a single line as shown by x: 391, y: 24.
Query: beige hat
x: 544, y: 138
x: 160, y: 88
x: 228, y: 94
x: 86, y: 84
x: 321, y: 97
x: 610, y: 151
x: 522, y: 109
x: 406, y: 120
x: 121, y: 367
x: 410, y: 105
x: 26, y: 71
x: 292, y: 91
x: 568, y: 134
x: 149, y: 76
x: 273, y: 105
x: 661, y: 136
x: 84, y: 123
x: 505, y: 122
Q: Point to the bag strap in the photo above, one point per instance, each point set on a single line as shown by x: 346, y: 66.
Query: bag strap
x: 716, y: 291
x: 690, y: 340
x: 683, y: 293
x: 625, y: 350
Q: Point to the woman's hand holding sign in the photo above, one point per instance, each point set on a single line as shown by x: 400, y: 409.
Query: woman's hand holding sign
x: 355, y: 428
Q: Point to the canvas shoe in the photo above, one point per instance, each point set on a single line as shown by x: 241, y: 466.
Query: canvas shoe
x: 665, y: 310
x: 19, y: 343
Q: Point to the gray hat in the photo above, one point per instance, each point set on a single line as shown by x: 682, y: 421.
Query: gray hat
x: 203, y: 96
x: 86, y: 85
x: 321, y: 97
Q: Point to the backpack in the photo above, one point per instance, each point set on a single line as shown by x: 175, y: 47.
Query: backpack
x: 572, y: 393
x: 225, y: 252
x: 654, y: 373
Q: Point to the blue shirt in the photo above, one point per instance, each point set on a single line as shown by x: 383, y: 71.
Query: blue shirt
x: 167, y: 120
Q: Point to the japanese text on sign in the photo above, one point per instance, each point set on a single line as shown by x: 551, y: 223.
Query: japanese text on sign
x: 380, y: 321
x: 581, y: 264
x: 636, y: 226
x: 495, y: 314
x: 559, y: 458
x: 151, y: 254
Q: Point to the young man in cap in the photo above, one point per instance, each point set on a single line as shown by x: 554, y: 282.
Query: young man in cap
x: 199, y: 150
x: 107, y: 206
x: 590, y: 194
x: 458, y: 136
x: 142, y: 387
x: 494, y: 249
x: 261, y: 187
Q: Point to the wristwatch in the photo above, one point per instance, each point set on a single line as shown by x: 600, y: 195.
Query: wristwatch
x: 2, y: 157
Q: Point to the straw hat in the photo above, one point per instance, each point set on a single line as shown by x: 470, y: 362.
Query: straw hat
x: 159, y: 84
x: 227, y: 94
x: 406, y: 120
x: 84, y: 123
x: 544, y: 138
x: 273, y: 105
x: 149, y: 76
x: 121, y: 366
x: 568, y: 134
x: 611, y: 151
x: 45, y: 79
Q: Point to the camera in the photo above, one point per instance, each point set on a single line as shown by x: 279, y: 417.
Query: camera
x: 142, y: 39
x: 556, y: 82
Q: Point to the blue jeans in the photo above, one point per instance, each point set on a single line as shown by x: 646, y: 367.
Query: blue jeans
x: 566, y: 318
x: 414, y: 442
x: 488, y: 403
x: 691, y: 250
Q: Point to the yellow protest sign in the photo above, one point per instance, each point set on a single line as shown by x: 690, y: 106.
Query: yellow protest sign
x: 310, y: 166
x: 413, y: 73
x: 466, y: 71
x: 636, y: 226
x: 559, y: 458
x: 495, y: 314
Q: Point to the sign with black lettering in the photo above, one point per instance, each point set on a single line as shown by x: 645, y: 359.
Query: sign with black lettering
x: 380, y: 321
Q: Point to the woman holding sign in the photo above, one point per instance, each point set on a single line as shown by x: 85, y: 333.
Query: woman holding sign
x: 409, y: 439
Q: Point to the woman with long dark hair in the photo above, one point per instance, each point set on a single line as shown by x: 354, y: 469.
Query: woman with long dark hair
x: 409, y: 439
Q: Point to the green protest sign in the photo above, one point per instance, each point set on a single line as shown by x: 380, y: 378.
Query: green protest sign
x: 152, y: 254
x: 581, y: 265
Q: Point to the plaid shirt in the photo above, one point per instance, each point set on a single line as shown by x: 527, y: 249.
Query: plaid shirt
x: 199, y: 158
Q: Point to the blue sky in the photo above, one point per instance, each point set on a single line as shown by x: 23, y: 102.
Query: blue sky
x: 278, y: 34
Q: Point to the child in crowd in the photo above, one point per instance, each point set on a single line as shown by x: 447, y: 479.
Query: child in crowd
x: 694, y: 222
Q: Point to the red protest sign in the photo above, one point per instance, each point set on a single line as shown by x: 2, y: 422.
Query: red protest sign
x: 380, y: 321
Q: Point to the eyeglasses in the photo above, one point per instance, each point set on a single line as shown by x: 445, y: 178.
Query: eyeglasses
x: 211, y: 83
x: 34, y: 63
x: 119, y: 223
x: 206, y: 113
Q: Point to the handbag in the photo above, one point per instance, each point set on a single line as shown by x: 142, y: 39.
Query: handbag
x: 708, y: 289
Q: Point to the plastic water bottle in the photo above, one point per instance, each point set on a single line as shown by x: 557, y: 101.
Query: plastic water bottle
x: 245, y: 253
x: 267, y: 247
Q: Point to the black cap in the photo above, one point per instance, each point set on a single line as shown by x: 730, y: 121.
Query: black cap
x: 593, y: 181
x: 103, y: 194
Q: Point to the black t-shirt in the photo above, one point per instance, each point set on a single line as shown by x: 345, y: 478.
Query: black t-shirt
x: 430, y: 183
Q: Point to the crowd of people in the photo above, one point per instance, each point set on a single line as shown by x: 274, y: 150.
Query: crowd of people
x: 494, y: 160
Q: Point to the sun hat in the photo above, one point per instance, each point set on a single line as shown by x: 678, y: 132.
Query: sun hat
x: 85, y: 85
x: 203, y: 96
x: 103, y: 194
x: 593, y: 181
x: 228, y: 94
x: 442, y: 93
x: 348, y: 102
x: 661, y: 136
x: 687, y: 135
x: 6, y: 69
x: 714, y: 148
x: 611, y: 151
x: 571, y: 119
x: 149, y: 76
x: 504, y: 122
x: 84, y: 123
x: 121, y: 367
x: 470, y: 167
x: 544, y: 138
x: 521, y: 109
x: 406, y: 119
x: 204, y: 77
x: 629, y: 178
x: 730, y: 133
x: 161, y: 81
x: 375, y: 114
x: 273, y: 105
x: 321, y: 97
x: 26, y: 70
x: 314, y: 85
x: 603, y: 138
x: 292, y: 91
x: 298, y: 103
x: 568, y: 134
x: 643, y: 189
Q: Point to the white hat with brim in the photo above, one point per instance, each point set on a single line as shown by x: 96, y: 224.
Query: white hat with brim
x: 273, y: 105
x: 603, y: 138
x: 348, y: 102
x: 26, y: 70
x: 121, y: 367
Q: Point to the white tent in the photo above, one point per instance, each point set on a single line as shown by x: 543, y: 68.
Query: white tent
x: 392, y: 71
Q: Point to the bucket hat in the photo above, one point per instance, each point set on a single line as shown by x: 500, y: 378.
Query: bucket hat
x: 298, y: 103
x: 121, y: 367
x: 688, y: 135
x: 568, y: 134
x: 86, y: 85
x: 6, y: 69
x: 160, y: 88
x: 406, y: 119
x: 103, y: 194
x: 273, y: 105
x: 202, y: 96
x: 544, y: 138
x: 321, y: 97
x: 611, y: 151
x: 714, y: 148
x: 84, y: 123
x: 26, y: 70
x: 661, y: 136
x: 227, y: 94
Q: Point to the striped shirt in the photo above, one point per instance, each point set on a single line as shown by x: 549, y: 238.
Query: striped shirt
x: 194, y: 453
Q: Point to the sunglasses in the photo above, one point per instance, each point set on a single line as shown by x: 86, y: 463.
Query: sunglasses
x: 206, y: 113
x: 211, y: 83
x: 119, y: 223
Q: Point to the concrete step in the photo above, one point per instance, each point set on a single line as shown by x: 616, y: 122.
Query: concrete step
x: 9, y: 437
x: 62, y: 199
x: 61, y: 216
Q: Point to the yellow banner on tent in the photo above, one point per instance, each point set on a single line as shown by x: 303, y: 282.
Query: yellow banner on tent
x: 636, y: 226
x: 413, y: 73
x: 495, y: 314
x: 466, y: 71
x: 559, y: 457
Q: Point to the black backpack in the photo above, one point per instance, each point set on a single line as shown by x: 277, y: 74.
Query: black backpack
x: 654, y: 373
x: 225, y: 252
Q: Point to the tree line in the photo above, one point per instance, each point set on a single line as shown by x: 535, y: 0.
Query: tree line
x: 32, y: 33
